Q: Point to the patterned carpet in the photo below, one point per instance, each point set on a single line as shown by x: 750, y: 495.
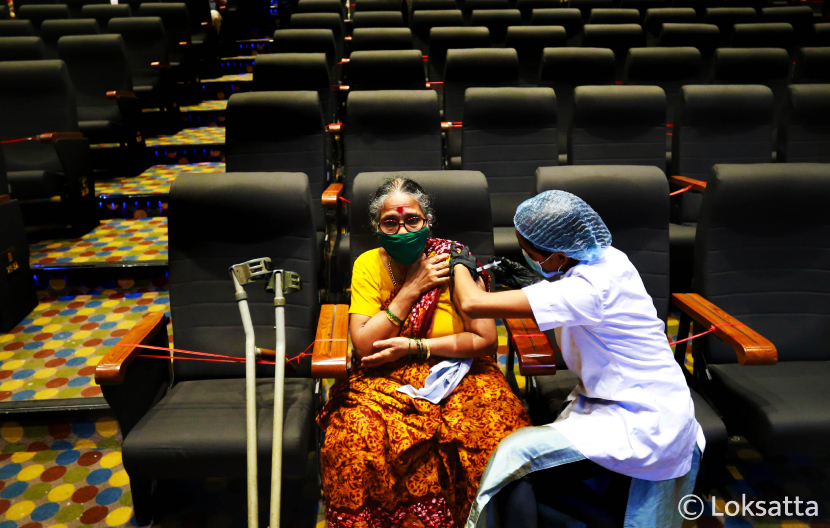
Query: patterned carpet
x: 243, y: 77
x: 113, y: 242
x: 155, y: 180
x: 190, y: 137
x: 206, y: 106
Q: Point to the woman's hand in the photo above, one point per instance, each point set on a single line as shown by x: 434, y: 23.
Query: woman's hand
x: 389, y: 350
x: 428, y: 273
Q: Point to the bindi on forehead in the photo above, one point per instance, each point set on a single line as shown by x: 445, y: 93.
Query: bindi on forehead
x: 399, y: 209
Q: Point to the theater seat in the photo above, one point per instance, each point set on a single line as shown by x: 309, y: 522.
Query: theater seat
x: 16, y: 28
x: 704, y: 37
x: 778, y: 35
x: 656, y: 17
x: 310, y: 41
x: 805, y: 129
x: 528, y: 6
x: 377, y: 19
x: 530, y: 42
x: 820, y: 35
x: 76, y: 6
x: 103, y: 13
x: 288, y: 72
x: 619, y: 38
x: 726, y: 18
x: 4, y: 12
x: 145, y: 43
x: 321, y: 6
x: 497, y: 21
x: 568, y: 18
x: 386, y: 70
x: 422, y: 23
x: 21, y: 48
x: 52, y: 30
x: 371, y: 39
x: 36, y: 14
x: 442, y: 39
x: 331, y: 21
x: 601, y: 15
x: 813, y: 66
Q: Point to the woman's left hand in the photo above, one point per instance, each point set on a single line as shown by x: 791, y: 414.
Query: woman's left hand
x: 389, y: 350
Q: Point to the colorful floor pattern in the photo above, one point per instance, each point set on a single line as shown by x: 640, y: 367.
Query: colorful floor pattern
x: 190, y: 137
x: 242, y: 77
x: 206, y: 106
x: 155, y: 180
x: 140, y: 241
x: 53, y: 352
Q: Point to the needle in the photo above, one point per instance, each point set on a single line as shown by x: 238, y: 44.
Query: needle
x: 488, y: 266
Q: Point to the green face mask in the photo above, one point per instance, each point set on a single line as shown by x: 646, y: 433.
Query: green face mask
x: 405, y: 248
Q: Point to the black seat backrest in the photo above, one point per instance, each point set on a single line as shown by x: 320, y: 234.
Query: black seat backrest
x: 497, y: 21
x: 719, y: 124
x: 820, y: 35
x: 442, y: 39
x: 527, y: 6
x: 767, y: 66
x: 309, y: 41
x: 371, y: 39
x: 585, y: 6
x: 644, y: 5
x: 391, y: 130
x: 800, y: 17
x: 605, y: 15
x: 700, y: 6
x: 568, y: 18
x: 656, y: 17
x: 508, y: 133
x: 16, y: 28
x: 76, y: 6
x: 563, y: 69
x: 290, y: 72
x: 619, y: 38
x: 35, y: 97
x: 377, y: 5
x: 422, y: 23
x: 805, y: 127
x: 471, y: 5
x: 331, y: 21
x: 253, y: 215
x: 737, y: 233
x: 634, y: 204
x: 461, y: 203
x: 106, y: 12
x: 281, y: 131
x: 4, y: 12
x: 175, y: 18
x: 321, y: 6
x: 726, y: 18
x: 377, y: 19
x: 145, y: 42
x: 772, y: 35
x: 482, y: 67
x: 813, y: 66
x: 97, y: 64
x: 618, y: 125
x: 530, y: 42
x: 704, y: 37
x: 199, y: 14
x: 386, y: 70
x: 52, y: 30
x: 668, y: 68
x: 21, y: 48
x: 36, y: 14
x: 433, y: 5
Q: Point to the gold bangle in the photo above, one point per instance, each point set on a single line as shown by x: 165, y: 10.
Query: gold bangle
x: 429, y: 352
x: 394, y: 319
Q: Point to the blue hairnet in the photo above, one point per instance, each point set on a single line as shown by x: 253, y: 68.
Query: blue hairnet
x: 559, y: 221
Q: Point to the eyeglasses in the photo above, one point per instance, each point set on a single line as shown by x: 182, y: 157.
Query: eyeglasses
x: 411, y: 223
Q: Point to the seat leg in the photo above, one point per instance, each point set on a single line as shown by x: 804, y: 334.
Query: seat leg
x: 143, y: 505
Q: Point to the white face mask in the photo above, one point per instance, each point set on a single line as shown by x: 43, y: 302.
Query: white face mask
x: 537, y: 266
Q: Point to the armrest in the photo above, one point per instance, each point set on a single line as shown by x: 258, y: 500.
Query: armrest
x: 187, y: 44
x: 53, y: 137
x: 446, y: 125
x: 750, y: 346
x: 331, y: 195
x: 536, y: 357
x: 113, y: 368
x: 335, y: 128
x: 331, y: 357
x: 4, y: 198
x: 347, y: 38
x: 115, y: 94
x: 161, y: 65
x: 437, y: 85
x: 683, y: 181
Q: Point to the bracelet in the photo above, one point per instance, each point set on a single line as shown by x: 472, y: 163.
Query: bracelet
x: 429, y: 352
x: 394, y: 319
x: 420, y: 351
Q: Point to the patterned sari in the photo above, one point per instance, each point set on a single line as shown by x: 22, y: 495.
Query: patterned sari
x: 393, y: 461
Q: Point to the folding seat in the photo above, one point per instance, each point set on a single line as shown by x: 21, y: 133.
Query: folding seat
x: 508, y: 133
x: 704, y: 37
x: 726, y: 18
x: 442, y: 39
x: 146, y: 44
x: 377, y: 19
x: 195, y: 426
x: 201, y: 21
x: 601, y: 15
x: 563, y: 69
x: 820, y: 35
x: 619, y: 38
x: 782, y: 315
x: 668, y: 68
x: 331, y: 21
x: 527, y: 7
x: 16, y: 28
x: 813, y: 66
x: 37, y: 97
x: 310, y: 41
x: 779, y: 35
x: 496, y: 21
x: 393, y: 130
x: 52, y: 30
x: 21, y: 48
x: 386, y: 70
x: 104, y: 13
x: 75, y: 6
x: 618, y: 125
x: 529, y: 43
x: 800, y: 17
x: 656, y: 17
x: 468, y: 68
x: 36, y: 14
x: 371, y: 39
x: 292, y: 72
x: 585, y: 6
x: 434, y: 5
x: 321, y: 6
x: 282, y: 131
x: 568, y: 18
x: 4, y: 12
x: 805, y: 125
x: 422, y: 23
x: 176, y: 22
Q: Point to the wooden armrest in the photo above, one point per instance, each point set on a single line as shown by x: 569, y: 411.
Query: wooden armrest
x: 683, y: 181
x: 331, y: 357
x: 446, y: 125
x: 51, y: 137
x: 185, y: 44
x: 204, y: 24
x: 535, y: 355
x: 750, y: 346
x: 347, y: 38
x: 113, y: 368
x: 435, y: 84
x: 339, y: 88
x: 115, y: 94
x: 161, y: 65
x: 344, y: 61
x: 4, y: 198
x: 331, y: 195
x: 335, y: 128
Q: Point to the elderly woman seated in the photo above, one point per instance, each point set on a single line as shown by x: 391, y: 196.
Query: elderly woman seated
x: 409, y: 433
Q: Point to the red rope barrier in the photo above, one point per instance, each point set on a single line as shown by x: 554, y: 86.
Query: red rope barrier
x: 711, y: 329
x: 219, y: 358
x: 684, y: 189
x: 18, y: 140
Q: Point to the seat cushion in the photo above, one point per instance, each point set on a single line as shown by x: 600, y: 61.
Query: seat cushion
x: 32, y: 184
x: 198, y: 430
x: 781, y: 408
x: 682, y: 236
x: 102, y: 131
x: 717, y: 439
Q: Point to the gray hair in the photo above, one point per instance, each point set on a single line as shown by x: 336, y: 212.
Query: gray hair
x: 403, y: 186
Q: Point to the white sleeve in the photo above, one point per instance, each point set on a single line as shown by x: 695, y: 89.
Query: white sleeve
x: 570, y: 301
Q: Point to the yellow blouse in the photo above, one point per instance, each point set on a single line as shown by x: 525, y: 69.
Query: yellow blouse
x: 372, y: 288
